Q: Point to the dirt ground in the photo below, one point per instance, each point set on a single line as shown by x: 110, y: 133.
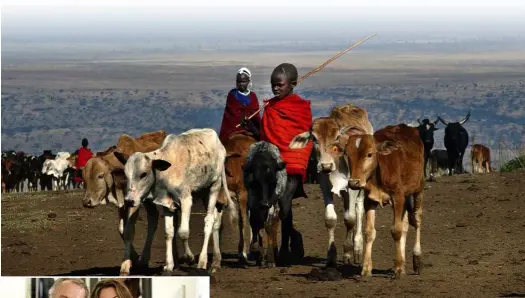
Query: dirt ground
x: 473, y: 242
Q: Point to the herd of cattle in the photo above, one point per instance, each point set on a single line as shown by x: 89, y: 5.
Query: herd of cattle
x: 247, y: 179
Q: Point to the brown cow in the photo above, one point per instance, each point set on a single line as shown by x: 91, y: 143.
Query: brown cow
x: 237, y: 147
x: 480, y: 158
x: 333, y: 176
x: 105, y: 181
x: 389, y: 167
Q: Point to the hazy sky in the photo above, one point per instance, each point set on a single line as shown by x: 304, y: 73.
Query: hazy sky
x: 257, y: 20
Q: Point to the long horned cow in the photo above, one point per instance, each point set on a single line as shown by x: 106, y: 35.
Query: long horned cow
x: 456, y: 141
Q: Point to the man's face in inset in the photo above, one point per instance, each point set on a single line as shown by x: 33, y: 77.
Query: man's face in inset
x: 68, y: 289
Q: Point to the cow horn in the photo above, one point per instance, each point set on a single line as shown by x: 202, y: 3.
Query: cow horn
x: 311, y: 136
x: 466, y: 118
x: 418, y: 121
x: 441, y: 119
x: 436, y: 122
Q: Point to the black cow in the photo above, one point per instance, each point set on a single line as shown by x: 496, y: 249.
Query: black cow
x: 269, y: 200
x: 456, y: 141
x: 426, y: 133
x: 438, y: 161
x: 46, y: 181
x: 32, y: 173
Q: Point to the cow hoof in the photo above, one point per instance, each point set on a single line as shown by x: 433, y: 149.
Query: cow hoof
x: 125, y: 268
x: 366, y: 273
x: 189, y: 259
x: 398, y: 274
x: 243, y: 262
x: 347, y: 259
x: 168, y: 268
x: 270, y: 265
x: 416, y: 260
x: 331, y: 262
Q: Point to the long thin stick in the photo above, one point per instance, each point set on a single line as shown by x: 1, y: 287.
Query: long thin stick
x: 319, y: 68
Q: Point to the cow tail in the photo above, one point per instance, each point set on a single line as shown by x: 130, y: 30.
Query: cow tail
x: 232, y: 210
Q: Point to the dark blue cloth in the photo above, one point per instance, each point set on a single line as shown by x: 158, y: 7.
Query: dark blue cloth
x: 244, y: 99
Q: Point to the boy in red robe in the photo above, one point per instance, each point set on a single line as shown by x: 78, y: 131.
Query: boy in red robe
x: 287, y: 115
x: 240, y: 103
x: 84, y: 154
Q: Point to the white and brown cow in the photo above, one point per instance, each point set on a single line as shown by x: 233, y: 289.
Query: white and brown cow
x: 333, y: 176
x: 105, y: 183
x: 389, y: 167
x: 187, y: 166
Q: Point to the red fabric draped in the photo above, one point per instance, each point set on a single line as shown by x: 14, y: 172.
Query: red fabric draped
x: 282, y: 120
x: 84, y: 154
x: 234, y: 112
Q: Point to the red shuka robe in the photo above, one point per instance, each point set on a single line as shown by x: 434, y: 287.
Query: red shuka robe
x: 234, y: 112
x: 282, y: 120
x: 84, y: 154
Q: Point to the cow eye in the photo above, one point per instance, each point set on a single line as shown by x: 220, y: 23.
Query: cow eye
x: 369, y: 155
x: 143, y: 175
x: 101, y: 176
x: 335, y: 148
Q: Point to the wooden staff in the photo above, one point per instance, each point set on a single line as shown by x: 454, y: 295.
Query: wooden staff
x: 319, y: 68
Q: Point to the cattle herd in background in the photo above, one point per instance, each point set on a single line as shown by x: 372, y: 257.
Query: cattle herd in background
x: 233, y: 175
x: 49, y: 171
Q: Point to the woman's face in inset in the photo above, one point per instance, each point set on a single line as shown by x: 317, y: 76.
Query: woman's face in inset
x: 242, y: 82
x: 109, y: 292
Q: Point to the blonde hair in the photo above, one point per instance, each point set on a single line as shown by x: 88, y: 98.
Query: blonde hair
x: 77, y: 281
x: 118, y: 285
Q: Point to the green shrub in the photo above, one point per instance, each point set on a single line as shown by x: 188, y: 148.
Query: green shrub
x: 516, y: 163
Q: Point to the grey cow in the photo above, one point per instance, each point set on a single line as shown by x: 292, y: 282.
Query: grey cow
x: 187, y: 165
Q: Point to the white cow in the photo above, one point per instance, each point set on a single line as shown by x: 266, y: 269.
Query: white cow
x: 57, y: 168
x: 187, y: 165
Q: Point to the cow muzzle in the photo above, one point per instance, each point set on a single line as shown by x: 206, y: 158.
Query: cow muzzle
x: 326, y: 167
x: 355, y: 184
x: 87, y: 203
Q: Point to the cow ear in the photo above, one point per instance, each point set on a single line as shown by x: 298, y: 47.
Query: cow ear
x: 160, y: 165
x: 122, y: 157
x: 281, y: 166
x: 351, y: 130
x: 386, y: 147
x: 300, y: 141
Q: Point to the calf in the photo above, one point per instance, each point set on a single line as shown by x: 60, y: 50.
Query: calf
x: 438, y: 160
x: 105, y: 183
x: 333, y: 176
x: 389, y: 167
x: 237, y: 147
x: 480, y: 158
x: 456, y: 141
x: 198, y: 171
x: 265, y: 180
